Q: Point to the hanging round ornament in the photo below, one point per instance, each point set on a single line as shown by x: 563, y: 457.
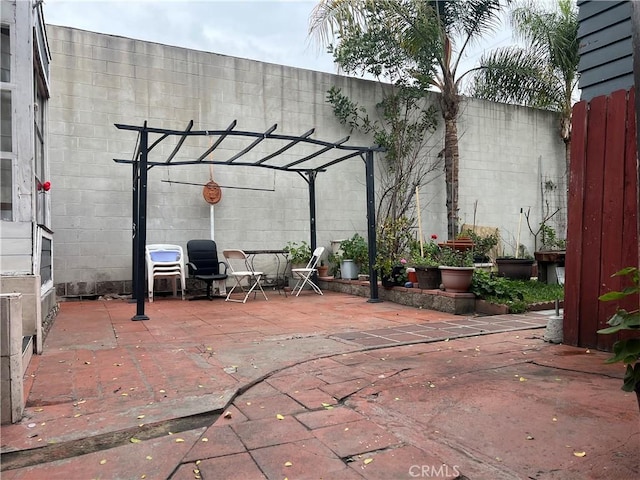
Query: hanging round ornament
x: 212, y: 192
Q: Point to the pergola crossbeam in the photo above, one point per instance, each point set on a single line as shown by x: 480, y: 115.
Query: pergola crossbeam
x: 286, y: 147
x: 253, y: 144
x: 231, y: 126
x: 180, y: 142
x: 319, y: 152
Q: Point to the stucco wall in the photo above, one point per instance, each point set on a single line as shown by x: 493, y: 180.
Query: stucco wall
x: 99, y: 80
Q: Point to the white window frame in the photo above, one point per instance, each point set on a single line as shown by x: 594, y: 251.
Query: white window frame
x: 43, y: 232
x: 11, y: 87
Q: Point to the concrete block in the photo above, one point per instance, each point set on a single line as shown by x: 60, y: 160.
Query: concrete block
x: 11, y: 389
x: 11, y: 324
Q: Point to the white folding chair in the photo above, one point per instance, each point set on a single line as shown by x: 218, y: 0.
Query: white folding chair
x: 241, y: 260
x: 165, y: 261
x: 304, y: 274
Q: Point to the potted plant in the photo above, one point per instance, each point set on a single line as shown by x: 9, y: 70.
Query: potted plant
x: 519, y: 267
x: 298, y: 253
x: 323, y: 270
x: 425, y: 260
x: 482, y: 245
x: 394, y: 242
x: 456, y: 268
x: 353, y: 255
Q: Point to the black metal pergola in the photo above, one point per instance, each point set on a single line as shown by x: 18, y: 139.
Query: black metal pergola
x: 307, y: 166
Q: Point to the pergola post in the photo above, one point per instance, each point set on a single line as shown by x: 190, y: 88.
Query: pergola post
x: 371, y: 227
x: 140, y: 235
x: 312, y: 209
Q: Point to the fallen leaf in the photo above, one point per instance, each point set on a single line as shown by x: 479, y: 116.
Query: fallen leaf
x: 529, y: 437
x: 325, y: 405
x: 39, y: 409
x: 179, y: 440
x: 77, y: 415
x: 279, y: 417
x: 149, y: 457
x: 198, y: 462
x: 205, y: 439
x: 103, y: 461
x: 162, y: 391
x: 87, y: 363
x: 140, y: 416
x: 227, y: 414
x: 135, y: 440
x: 367, y: 461
x: 522, y: 379
x: 196, y: 471
x: 579, y: 454
x: 554, y: 419
x: 125, y: 394
x: 288, y: 464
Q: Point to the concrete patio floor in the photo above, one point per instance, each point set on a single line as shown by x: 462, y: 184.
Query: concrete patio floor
x: 318, y: 387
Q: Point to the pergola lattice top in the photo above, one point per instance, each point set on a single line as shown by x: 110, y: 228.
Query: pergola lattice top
x: 299, y: 165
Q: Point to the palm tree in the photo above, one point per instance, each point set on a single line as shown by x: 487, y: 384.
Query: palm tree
x: 433, y: 36
x: 544, y: 74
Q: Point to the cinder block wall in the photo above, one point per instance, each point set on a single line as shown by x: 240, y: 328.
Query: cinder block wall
x: 99, y: 80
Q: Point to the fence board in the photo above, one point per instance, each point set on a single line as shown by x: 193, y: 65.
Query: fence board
x: 592, y: 220
x: 612, y: 213
x: 574, y: 223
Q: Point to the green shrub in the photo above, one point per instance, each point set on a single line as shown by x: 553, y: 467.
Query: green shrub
x: 518, y: 295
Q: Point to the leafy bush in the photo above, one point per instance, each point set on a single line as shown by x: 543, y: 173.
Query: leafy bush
x: 356, y: 249
x: 516, y: 294
x: 455, y: 258
x: 626, y: 351
x: 299, y: 253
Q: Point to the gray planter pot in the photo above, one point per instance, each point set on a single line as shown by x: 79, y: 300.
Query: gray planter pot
x: 349, y: 270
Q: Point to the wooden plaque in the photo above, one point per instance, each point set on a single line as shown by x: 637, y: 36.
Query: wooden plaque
x: 212, y: 193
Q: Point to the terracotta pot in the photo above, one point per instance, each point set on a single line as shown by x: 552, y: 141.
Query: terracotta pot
x: 323, y: 270
x: 428, y: 278
x: 456, y: 279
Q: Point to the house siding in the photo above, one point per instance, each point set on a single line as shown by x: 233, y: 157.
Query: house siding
x: 606, y: 48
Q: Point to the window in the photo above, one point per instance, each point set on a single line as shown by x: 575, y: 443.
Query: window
x: 42, y: 197
x: 6, y: 145
x: 5, y: 59
x: 6, y: 189
x: 6, y: 127
x: 44, y: 258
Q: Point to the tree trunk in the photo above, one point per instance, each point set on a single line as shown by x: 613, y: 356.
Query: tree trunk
x: 451, y: 166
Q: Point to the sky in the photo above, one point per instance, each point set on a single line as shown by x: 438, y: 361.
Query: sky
x: 273, y: 31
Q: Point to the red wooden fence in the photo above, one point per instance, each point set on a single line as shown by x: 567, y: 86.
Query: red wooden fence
x: 602, y: 231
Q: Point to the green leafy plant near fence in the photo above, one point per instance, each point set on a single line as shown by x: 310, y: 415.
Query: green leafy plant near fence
x: 518, y: 295
x: 626, y: 351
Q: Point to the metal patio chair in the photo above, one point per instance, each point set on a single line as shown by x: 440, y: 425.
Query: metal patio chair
x: 243, y: 270
x: 304, y: 274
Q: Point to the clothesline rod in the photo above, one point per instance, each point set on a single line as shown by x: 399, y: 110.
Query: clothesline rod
x: 222, y: 186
